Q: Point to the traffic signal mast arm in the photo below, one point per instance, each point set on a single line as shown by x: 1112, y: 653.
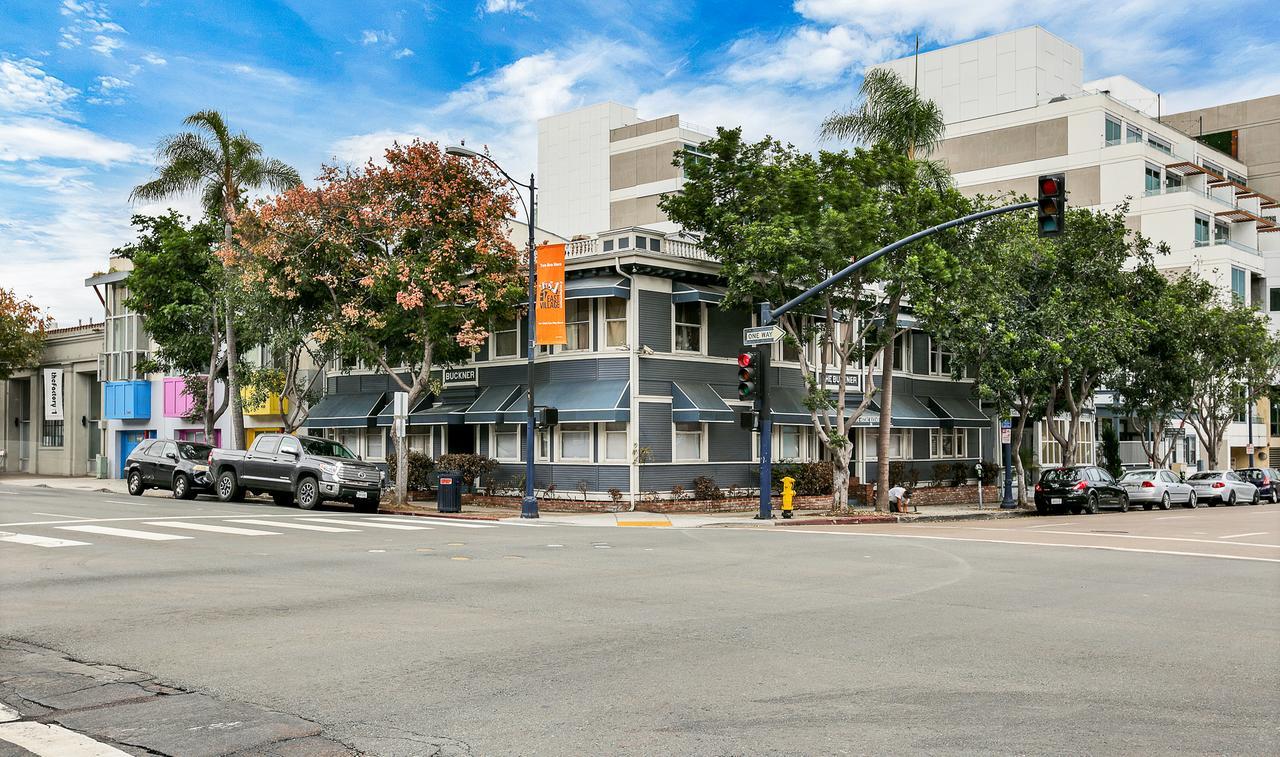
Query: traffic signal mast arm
x: 768, y: 316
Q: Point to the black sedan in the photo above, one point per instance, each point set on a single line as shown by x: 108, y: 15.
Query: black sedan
x: 181, y: 467
x: 1078, y: 488
x: 1266, y: 481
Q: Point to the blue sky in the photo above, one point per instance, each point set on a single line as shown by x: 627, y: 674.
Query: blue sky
x: 87, y: 88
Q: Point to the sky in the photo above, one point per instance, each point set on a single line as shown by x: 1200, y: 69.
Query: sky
x: 88, y: 88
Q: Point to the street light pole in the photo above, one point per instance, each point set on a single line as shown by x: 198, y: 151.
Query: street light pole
x: 528, y: 505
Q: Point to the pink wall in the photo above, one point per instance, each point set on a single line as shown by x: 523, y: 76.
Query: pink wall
x: 177, y: 402
x: 197, y: 435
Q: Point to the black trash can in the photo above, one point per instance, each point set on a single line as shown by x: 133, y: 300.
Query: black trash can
x: 448, y: 491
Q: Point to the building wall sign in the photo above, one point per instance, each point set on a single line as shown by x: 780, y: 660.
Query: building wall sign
x: 53, y: 394
x: 550, y: 301
x: 461, y: 376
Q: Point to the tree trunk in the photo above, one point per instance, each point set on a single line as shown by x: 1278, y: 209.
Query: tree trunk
x: 840, y: 477
x: 886, y: 411
x: 1015, y: 450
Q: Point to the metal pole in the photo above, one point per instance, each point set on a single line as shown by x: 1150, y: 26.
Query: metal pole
x: 771, y: 316
x: 1007, y: 503
x: 529, y: 505
x: 766, y: 433
x: 1249, y: 412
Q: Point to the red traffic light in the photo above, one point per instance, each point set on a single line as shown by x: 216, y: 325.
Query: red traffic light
x: 1048, y: 185
x: 745, y: 359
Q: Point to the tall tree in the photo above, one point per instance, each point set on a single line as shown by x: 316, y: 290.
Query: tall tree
x: 780, y: 221
x: 412, y: 256
x: 177, y: 286
x: 221, y: 167
x: 893, y: 114
x: 22, y: 329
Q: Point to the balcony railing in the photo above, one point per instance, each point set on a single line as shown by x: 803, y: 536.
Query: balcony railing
x: 676, y: 248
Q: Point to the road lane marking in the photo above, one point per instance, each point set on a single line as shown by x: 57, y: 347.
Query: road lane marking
x: 128, y: 502
x: 526, y: 523
x: 1101, y: 547
x: 49, y: 740
x: 1157, y: 538
x: 1241, y: 536
x: 211, y: 528
x: 1046, y: 525
x: 1175, y: 517
x: 59, y: 515
x: 125, y: 532
x: 7, y: 713
x: 371, y: 524
x: 40, y: 541
x: 221, y: 516
x: 285, y: 524
x: 436, y: 522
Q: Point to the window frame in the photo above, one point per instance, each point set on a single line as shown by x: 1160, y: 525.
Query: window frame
x: 1202, y: 222
x: 677, y: 432
x: 936, y: 356
x: 561, y: 455
x: 494, y: 354
x: 1243, y: 293
x: 1109, y: 120
x: 606, y: 433
x: 501, y: 429
x: 958, y: 438
x: 579, y: 327
x: 605, y: 322
x: 676, y: 324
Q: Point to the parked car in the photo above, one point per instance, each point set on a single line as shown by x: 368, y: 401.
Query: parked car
x: 1222, y: 486
x: 179, y: 466
x: 301, y: 470
x: 1079, y: 488
x: 1266, y: 479
x: 1155, y: 487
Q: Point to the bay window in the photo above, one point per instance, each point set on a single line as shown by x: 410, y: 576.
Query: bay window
x: 615, y: 322
x: 577, y: 325
x: 948, y: 443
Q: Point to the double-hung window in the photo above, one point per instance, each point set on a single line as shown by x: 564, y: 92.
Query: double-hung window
x: 1112, y: 131
x: 575, y: 441
x: 688, y: 442
x: 577, y: 325
x: 899, y: 444
x: 1239, y: 284
x: 506, y: 442
x: 615, y: 443
x: 792, y: 443
x: 945, y: 443
x: 544, y: 442
x: 1202, y: 230
x: 1153, y: 179
x: 374, y: 443
x: 940, y: 360
x: 688, y: 326
x: 506, y: 338
x: 615, y: 322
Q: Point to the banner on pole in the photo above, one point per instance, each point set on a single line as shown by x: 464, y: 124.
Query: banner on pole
x: 53, y: 394
x: 549, y: 313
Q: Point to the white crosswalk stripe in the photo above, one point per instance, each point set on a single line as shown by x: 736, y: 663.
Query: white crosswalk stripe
x: 50, y: 740
x: 435, y: 522
x: 127, y: 533
x: 211, y: 528
x: 371, y: 524
x: 299, y: 526
x: 40, y: 541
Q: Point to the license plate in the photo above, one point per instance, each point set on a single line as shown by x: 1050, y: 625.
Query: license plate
x: 362, y: 495
x: 1056, y: 501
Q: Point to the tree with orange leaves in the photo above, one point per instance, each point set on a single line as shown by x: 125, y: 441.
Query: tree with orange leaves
x: 22, y: 327
x: 408, y: 261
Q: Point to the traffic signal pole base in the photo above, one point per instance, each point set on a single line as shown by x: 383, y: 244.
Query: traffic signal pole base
x: 529, y: 507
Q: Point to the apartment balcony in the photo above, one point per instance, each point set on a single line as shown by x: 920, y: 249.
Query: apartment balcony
x: 636, y: 241
x: 274, y: 406
x: 126, y: 400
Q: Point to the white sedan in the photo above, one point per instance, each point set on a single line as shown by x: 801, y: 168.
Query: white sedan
x: 1152, y: 487
x: 1214, y: 486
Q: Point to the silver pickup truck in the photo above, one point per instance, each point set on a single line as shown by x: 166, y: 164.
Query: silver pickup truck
x: 301, y: 470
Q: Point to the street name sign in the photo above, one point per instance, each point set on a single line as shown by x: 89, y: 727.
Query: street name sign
x: 762, y: 335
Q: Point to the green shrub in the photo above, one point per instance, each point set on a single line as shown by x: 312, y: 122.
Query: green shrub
x: 941, y: 474
x: 901, y: 473
x: 704, y: 487
x: 811, y: 479
x: 470, y: 466
x: 989, y: 472
x: 421, y: 467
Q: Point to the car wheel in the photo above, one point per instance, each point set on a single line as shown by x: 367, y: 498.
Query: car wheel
x: 1042, y: 508
x: 1164, y: 501
x: 1257, y: 500
x: 1191, y: 501
x: 365, y: 505
x: 1076, y: 509
x: 135, y: 483
x: 182, y: 487
x: 283, y: 499
x: 1091, y: 505
x: 1275, y: 495
x: 1124, y: 503
x: 228, y: 488
x: 1231, y: 500
x: 308, y: 495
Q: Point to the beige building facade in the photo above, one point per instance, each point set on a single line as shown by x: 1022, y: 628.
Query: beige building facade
x: 1248, y: 131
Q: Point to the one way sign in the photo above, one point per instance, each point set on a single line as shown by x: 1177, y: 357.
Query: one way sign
x: 762, y: 335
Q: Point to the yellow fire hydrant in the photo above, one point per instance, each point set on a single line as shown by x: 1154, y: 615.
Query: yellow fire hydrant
x: 788, y: 494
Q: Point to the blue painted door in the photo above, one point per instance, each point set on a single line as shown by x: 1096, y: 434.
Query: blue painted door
x: 129, y: 440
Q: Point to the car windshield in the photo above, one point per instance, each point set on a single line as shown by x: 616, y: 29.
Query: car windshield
x: 1250, y: 474
x: 1204, y: 476
x: 194, y: 451
x: 325, y: 448
x: 1139, y: 475
x: 1060, y: 476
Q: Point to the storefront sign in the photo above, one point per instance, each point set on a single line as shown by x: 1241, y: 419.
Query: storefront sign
x: 852, y: 381
x: 461, y: 376
x: 550, y: 295
x: 53, y: 394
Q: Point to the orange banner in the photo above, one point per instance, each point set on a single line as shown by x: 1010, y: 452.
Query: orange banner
x: 550, y: 311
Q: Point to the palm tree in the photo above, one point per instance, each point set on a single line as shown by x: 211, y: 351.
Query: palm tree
x: 892, y: 113
x: 220, y: 166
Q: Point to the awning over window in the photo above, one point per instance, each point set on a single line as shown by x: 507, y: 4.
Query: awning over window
x: 682, y: 292
x: 425, y: 413
x: 692, y: 402
x: 787, y: 405
x: 488, y: 406
x: 577, y: 401
x: 357, y: 410
x: 957, y: 412
x: 597, y: 286
x: 909, y: 412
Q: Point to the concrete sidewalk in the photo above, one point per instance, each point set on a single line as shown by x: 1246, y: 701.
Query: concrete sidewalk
x: 73, y: 483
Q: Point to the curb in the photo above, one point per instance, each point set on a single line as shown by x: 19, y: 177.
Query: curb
x: 851, y: 520
x: 988, y: 515
x: 450, y: 516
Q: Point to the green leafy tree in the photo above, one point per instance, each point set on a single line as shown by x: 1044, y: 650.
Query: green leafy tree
x: 177, y: 286
x: 1233, y: 359
x: 780, y: 221
x: 22, y: 329
x: 1111, y: 449
x: 221, y: 167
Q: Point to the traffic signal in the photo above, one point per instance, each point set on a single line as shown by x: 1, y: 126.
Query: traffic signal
x: 750, y: 374
x: 1052, y: 208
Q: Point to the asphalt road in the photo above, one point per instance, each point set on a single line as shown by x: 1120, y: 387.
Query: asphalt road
x: 1030, y: 636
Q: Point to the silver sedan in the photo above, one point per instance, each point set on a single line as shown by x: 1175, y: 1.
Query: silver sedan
x: 1153, y: 487
x: 1214, y: 486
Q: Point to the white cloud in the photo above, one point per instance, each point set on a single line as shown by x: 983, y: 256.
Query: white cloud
x: 26, y: 88
x: 402, y: 53
x: 105, y: 45
x: 504, y: 6
x: 89, y: 19
x: 108, y: 83
x: 32, y: 138
x: 154, y: 59
x: 809, y: 55
x: 942, y: 20
x: 360, y: 148
x: 376, y: 37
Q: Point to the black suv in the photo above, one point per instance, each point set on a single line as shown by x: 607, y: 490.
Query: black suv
x: 1266, y: 479
x: 301, y: 470
x: 181, y: 467
x: 1078, y: 488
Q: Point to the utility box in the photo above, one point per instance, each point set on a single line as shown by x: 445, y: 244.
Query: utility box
x: 448, y: 491
x: 101, y: 469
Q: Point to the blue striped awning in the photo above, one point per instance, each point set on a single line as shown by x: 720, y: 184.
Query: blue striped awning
x: 597, y: 286
x: 682, y: 292
x: 577, y: 401
x: 909, y: 412
x: 693, y: 402
x: 492, y: 401
x: 356, y: 410
x: 957, y: 412
x: 787, y: 408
